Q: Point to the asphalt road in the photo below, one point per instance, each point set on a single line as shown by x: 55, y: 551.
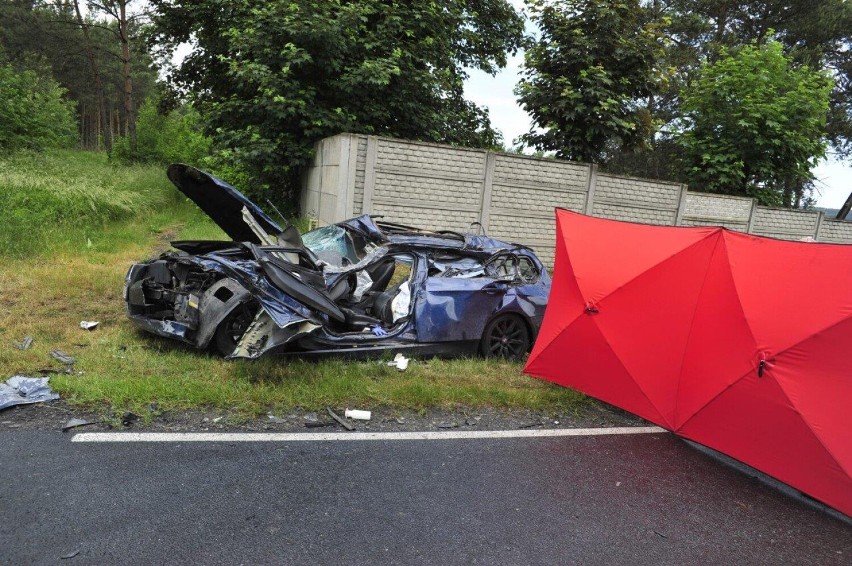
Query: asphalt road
x: 646, y: 499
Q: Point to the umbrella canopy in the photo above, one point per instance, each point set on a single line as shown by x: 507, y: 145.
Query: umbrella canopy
x: 737, y: 342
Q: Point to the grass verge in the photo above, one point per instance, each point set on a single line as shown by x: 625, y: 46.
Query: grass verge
x: 76, y: 273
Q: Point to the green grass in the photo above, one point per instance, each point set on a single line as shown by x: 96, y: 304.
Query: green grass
x: 55, y: 274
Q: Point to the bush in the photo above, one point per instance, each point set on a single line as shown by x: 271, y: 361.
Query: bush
x: 33, y: 114
x: 165, y: 138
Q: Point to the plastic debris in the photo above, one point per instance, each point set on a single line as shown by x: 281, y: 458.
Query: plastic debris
x: 23, y: 390
x: 401, y: 302
x: 378, y: 330
x: 74, y: 423
x: 88, y: 324
x: 25, y: 343
x: 357, y: 414
x: 62, y: 357
x: 400, y: 362
x: 74, y: 553
x: 275, y: 419
x: 336, y: 417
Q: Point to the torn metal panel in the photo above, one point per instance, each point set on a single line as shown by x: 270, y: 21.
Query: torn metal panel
x: 23, y: 390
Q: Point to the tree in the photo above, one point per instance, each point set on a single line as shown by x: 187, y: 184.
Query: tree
x: 33, y: 113
x: 76, y: 50
x: 272, y: 78
x: 124, y: 23
x: 584, y: 76
x: 103, y: 112
x: 755, y: 124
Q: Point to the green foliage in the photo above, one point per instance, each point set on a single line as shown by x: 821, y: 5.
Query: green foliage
x: 60, y: 195
x: 272, y: 78
x: 171, y: 137
x: 33, y: 113
x: 583, y: 77
x: 814, y: 33
x: 755, y: 123
x: 40, y: 34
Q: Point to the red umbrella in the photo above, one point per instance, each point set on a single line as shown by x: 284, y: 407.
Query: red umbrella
x: 737, y: 342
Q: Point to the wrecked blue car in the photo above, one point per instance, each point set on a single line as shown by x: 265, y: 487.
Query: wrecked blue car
x: 356, y: 288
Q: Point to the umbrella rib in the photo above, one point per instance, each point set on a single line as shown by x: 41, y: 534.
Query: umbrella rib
x: 691, y: 326
x: 639, y: 387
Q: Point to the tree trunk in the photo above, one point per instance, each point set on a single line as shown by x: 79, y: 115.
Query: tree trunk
x: 129, y: 109
x: 99, y: 89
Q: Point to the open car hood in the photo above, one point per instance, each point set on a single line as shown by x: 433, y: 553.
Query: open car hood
x: 223, y: 203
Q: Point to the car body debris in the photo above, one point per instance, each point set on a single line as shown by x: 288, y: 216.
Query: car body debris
x: 357, y: 288
x: 23, y: 390
x: 24, y: 344
x: 89, y: 324
x: 62, y: 357
x: 342, y: 422
x: 76, y: 423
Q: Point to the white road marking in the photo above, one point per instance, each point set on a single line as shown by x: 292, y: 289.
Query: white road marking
x: 329, y: 436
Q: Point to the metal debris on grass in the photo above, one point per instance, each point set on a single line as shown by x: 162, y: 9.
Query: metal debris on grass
x: 23, y: 390
x: 62, y: 357
x: 24, y: 344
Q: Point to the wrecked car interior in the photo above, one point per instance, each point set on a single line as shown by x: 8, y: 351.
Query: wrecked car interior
x: 356, y: 288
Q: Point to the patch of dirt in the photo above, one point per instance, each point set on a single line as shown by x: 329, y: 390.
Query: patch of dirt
x: 164, y: 237
x: 53, y: 415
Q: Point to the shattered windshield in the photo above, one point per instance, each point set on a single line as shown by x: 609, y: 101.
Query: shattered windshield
x: 332, y: 244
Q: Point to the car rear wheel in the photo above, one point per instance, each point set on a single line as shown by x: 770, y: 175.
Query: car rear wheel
x: 232, y: 328
x: 507, y: 336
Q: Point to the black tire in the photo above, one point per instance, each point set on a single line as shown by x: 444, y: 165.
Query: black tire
x: 507, y: 337
x: 231, y: 329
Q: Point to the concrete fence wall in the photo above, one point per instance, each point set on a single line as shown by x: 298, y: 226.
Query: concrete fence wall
x: 447, y: 188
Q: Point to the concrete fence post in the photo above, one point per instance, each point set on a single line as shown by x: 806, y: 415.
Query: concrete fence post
x: 590, y: 190
x: 681, y: 205
x: 487, y: 187
x: 818, y: 227
x: 752, y: 217
x: 370, y: 174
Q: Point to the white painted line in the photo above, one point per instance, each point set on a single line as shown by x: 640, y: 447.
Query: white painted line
x: 327, y: 436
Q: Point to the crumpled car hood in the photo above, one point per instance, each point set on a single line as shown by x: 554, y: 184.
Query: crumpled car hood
x: 222, y: 203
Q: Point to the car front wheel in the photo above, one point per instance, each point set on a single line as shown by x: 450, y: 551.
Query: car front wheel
x: 233, y: 327
x: 506, y: 337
